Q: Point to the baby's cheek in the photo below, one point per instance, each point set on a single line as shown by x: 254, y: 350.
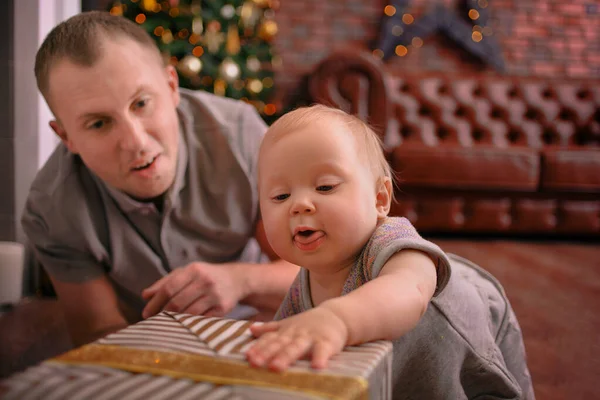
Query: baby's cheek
x: 275, y: 230
x: 280, y: 246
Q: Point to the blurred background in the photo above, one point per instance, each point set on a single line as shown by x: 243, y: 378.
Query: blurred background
x: 489, y: 111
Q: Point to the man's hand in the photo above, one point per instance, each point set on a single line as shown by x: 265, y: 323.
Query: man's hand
x: 319, y: 332
x: 198, y: 288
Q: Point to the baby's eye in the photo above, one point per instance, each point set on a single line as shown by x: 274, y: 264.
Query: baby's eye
x: 324, y: 188
x: 281, y: 197
x: 140, y: 103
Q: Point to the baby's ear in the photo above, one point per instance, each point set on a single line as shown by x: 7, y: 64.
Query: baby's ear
x: 383, y: 197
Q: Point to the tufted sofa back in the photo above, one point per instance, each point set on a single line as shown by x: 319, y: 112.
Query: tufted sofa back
x: 467, y: 111
x: 494, y: 111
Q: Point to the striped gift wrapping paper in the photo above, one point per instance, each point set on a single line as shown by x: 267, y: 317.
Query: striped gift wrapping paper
x: 180, y: 356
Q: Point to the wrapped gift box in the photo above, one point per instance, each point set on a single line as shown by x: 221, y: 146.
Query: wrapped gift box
x: 188, y: 357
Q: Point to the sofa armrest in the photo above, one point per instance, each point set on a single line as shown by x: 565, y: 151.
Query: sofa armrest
x: 356, y: 83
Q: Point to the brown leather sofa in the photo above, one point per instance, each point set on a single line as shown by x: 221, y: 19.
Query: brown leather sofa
x: 478, y: 153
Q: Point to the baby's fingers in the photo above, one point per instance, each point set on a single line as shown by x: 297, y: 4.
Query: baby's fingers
x: 259, y: 330
x: 265, y: 348
x: 322, y: 352
x: 289, y: 354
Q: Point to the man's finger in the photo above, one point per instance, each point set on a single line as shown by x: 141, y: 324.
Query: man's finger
x: 199, y: 306
x: 155, y: 305
x: 185, y: 297
x: 213, y: 312
x: 152, y: 289
x: 176, y: 279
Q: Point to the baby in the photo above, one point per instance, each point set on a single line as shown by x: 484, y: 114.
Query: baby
x: 325, y: 191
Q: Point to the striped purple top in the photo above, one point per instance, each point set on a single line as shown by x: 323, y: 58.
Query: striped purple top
x: 392, y: 235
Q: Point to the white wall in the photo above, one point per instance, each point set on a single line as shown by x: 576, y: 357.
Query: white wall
x: 34, y: 141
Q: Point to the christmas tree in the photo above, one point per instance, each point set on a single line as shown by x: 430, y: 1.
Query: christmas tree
x: 220, y: 46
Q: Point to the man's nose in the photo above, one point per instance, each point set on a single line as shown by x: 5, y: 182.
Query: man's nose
x: 302, y: 205
x: 133, y: 135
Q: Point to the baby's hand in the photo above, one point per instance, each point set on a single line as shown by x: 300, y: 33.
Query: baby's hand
x: 319, y: 332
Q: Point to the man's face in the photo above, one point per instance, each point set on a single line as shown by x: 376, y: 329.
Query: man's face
x: 120, y: 117
x: 317, y: 197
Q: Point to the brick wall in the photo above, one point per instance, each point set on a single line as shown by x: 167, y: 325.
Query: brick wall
x: 537, y: 37
x: 311, y: 29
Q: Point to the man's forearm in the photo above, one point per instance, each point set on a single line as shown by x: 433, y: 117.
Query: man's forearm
x: 90, y: 308
x: 80, y: 337
x: 267, y: 284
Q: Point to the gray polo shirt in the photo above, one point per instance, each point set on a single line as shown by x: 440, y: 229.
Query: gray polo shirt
x: 81, y: 229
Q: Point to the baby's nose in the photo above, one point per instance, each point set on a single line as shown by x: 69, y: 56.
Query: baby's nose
x: 303, y: 206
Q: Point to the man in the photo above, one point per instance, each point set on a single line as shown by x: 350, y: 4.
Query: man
x: 150, y: 201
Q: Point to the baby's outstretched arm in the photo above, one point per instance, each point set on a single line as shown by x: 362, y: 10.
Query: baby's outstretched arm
x: 319, y: 332
x: 384, y: 308
x: 391, y: 304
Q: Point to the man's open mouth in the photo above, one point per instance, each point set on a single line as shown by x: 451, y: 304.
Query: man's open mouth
x: 145, y: 165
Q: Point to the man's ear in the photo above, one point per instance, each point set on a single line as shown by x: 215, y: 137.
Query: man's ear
x: 62, y: 134
x: 173, y: 82
x: 384, y: 197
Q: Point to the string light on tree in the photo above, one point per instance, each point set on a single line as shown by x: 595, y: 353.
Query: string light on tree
x: 117, y: 9
x: 189, y: 66
x: 255, y: 85
x: 250, y: 14
x: 227, y: 11
x: 229, y: 70
x: 197, y: 25
x: 221, y: 46
x: 262, y: 3
x: 213, y: 38
x: 253, y: 64
x: 267, y: 30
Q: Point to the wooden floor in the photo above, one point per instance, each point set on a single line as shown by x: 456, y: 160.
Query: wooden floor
x: 554, y: 288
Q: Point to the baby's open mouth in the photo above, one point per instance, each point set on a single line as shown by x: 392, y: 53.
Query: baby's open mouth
x: 308, y: 236
x: 308, y: 240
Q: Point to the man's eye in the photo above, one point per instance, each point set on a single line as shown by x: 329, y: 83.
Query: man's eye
x: 281, y: 197
x: 324, y: 188
x: 97, y: 125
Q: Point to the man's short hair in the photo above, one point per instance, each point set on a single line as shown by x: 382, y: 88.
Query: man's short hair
x: 80, y: 40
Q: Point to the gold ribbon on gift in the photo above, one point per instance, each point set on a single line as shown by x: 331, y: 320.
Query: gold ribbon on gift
x: 215, y: 370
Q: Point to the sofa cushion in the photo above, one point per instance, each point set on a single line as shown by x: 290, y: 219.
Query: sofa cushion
x: 467, y: 168
x: 442, y: 211
x: 571, y: 170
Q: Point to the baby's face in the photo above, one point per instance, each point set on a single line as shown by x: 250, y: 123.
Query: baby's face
x: 317, y: 196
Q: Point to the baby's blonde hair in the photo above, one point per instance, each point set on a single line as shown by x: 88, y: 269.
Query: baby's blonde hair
x: 302, y: 116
